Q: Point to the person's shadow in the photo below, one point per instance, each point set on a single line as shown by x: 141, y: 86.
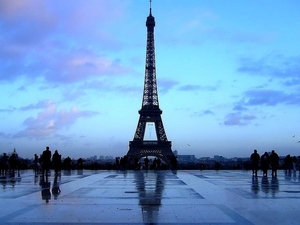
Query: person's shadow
x: 265, y: 184
x: 55, y: 187
x: 45, y: 191
x: 254, y: 185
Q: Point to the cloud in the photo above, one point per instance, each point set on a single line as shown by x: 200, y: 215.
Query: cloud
x: 192, y: 87
x: 204, y: 113
x: 215, y: 33
x: 278, y: 66
x: 292, y: 82
x: 238, y: 119
x: 166, y: 84
x: 50, y: 120
x: 11, y: 109
x: 208, y: 112
x: 25, y: 22
x: 107, y: 85
x: 61, y: 65
x: 70, y: 95
x: 270, y: 98
x: 39, y: 105
x: 81, y: 64
x: 42, y: 39
x: 240, y: 107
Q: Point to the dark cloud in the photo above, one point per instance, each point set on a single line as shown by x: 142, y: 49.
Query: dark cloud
x: 204, y: 113
x: 265, y: 97
x: 270, y: 98
x: 11, y: 109
x: 189, y: 87
x: 239, y: 107
x: 259, y: 97
x: 166, y: 84
x: 208, y: 112
x: 278, y: 66
x: 238, y: 119
x: 292, y: 82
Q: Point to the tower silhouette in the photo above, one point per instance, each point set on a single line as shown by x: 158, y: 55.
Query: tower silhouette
x: 150, y: 113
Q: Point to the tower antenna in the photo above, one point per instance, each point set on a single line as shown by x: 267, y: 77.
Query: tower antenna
x: 150, y: 6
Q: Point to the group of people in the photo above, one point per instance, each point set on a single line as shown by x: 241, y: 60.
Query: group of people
x: 267, y: 161
x: 46, y: 161
x: 145, y: 163
x: 9, y: 164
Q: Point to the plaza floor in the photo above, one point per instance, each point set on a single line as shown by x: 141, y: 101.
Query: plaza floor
x: 141, y: 197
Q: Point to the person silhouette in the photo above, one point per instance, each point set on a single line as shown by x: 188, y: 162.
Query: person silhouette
x: 56, y: 160
x: 265, y: 161
x: 36, y: 164
x: 274, y: 162
x: 4, y: 164
x: 255, y: 157
x: 46, y: 161
x: 146, y: 160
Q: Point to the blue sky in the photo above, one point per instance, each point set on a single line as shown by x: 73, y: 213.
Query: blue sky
x: 72, y: 73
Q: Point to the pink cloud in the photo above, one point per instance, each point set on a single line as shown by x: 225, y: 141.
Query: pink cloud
x: 46, y: 39
x: 51, y: 120
x: 81, y: 64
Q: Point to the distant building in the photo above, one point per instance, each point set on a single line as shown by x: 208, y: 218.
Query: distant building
x: 219, y: 158
x: 189, y: 158
x: 204, y: 158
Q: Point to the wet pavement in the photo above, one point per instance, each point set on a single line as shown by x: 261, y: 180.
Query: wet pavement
x: 141, y: 197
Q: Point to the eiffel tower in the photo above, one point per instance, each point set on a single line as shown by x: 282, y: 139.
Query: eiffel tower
x: 150, y: 113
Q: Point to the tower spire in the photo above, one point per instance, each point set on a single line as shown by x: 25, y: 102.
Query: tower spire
x: 150, y: 7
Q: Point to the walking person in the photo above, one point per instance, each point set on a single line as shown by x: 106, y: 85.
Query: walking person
x: 146, y: 160
x: 4, y: 164
x: 255, y: 157
x: 56, y: 160
x: 294, y: 162
x: 36, y: 164
x: 46, y: 161
x: 288, y: 164
x: 274, y: 162
x: 265, y: 161
x: 14, y: 163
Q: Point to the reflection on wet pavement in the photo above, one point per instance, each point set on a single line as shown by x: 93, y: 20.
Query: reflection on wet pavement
x: 149, y: 197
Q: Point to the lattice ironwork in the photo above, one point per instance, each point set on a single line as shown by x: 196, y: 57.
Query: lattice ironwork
x: 150, y: 111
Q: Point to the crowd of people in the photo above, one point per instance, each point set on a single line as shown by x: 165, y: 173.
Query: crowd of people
x: 144, y: 163
x: 271, y: 161
x: 10, y: 164
x: 47, y: 161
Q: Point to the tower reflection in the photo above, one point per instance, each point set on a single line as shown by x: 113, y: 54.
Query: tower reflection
x: 150, y: 186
